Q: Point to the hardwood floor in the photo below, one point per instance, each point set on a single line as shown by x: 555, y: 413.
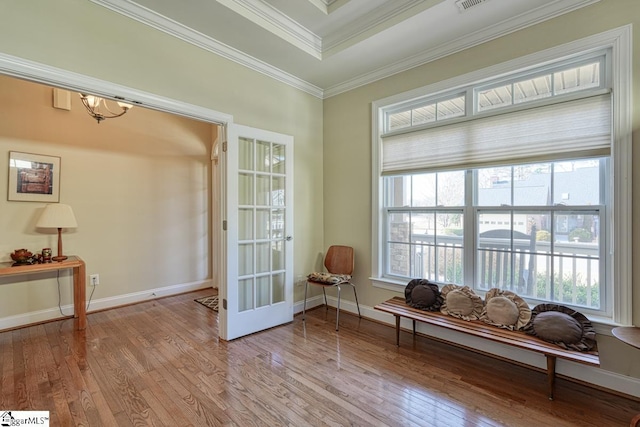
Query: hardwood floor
x: 161, y: 363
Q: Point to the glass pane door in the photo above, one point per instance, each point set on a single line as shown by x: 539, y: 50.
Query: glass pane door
x: 259, y: 209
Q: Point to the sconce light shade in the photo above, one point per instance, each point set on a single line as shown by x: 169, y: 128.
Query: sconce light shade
x: 57, y: 215
x: 99, y: 109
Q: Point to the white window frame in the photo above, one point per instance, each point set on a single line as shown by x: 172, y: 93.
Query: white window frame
x: 619, y: 212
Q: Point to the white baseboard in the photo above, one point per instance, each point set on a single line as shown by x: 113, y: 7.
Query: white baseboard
x: 587, y: 374
x: 311, y: 303
x: 101, y: 304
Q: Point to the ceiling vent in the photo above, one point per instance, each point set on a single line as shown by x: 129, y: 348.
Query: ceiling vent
x: 468, y: 4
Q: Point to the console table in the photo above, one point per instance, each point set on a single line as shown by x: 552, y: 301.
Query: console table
x: 79, y: 281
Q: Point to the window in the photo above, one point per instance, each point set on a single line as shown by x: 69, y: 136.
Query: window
x: 512, y: 186
x: 527, y: 237
x: 563, y: 80
x: 424, y: 217
x: 429, y: 112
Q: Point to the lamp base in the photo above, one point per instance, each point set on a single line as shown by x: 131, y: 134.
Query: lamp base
x: 59, y: 258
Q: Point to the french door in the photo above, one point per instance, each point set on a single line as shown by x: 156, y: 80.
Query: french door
x: 256, y: 287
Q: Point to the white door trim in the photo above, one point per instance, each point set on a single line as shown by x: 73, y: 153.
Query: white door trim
x: 65, y: 79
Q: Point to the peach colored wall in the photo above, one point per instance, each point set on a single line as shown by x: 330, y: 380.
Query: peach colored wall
x: 139, y: 186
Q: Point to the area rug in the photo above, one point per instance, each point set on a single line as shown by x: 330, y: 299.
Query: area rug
x: 210, y: 302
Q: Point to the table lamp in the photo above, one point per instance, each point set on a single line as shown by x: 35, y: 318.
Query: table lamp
x: 57, y: 216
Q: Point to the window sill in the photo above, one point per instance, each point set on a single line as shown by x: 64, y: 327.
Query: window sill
x: 602, y: 325
x: 388, y: 284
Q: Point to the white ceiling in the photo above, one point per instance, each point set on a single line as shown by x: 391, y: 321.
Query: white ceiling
x: 326, y: 47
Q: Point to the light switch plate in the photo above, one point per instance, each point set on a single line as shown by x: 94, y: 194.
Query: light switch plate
x: 61, y: 99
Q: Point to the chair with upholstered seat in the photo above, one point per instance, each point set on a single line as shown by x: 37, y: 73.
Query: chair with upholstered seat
x: 339, y: 263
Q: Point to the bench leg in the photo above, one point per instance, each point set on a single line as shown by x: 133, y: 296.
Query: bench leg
x: 551, y: 374
x: 398, y: 331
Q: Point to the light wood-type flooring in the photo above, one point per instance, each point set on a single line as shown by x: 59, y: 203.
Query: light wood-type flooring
x: 161, y: 363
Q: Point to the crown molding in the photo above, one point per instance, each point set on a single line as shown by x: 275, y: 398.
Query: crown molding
x: 273, y: 20
x: 148, y: 17
x: 322, y: 5
x: 328, y: 6
x: 473, y: 39
x: 276, y: 22
x: 372, y: 23
x: 134, y: 11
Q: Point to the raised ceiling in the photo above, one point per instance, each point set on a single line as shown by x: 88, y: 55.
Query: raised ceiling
x: 326, y: 47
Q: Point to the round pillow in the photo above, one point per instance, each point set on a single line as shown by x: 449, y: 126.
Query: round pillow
x: 502, y: 310
x: 505, y: 309
x: 554, y: 326
x: 562, y: 326
x: 423, y: 295
x: 461, y: 302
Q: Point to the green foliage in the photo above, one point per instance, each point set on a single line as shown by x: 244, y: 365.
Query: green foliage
x: 454, y: 231
x: 581, y: 235
x: 563, y: 290
x: 543, y: 236
x: 454, y: 273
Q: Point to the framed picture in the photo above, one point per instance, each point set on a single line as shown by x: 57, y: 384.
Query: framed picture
x: 33, y: 178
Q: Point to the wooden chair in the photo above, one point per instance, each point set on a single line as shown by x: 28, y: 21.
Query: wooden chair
x: 339, y: 263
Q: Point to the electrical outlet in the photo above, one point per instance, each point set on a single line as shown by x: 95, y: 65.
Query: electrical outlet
x: 94, y: 279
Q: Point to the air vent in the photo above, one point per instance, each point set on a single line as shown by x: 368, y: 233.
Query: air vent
x: 468, y: 4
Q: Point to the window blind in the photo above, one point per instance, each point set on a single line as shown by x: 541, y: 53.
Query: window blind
x: 577, y: 128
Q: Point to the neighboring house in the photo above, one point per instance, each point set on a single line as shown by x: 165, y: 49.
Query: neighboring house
x: 572, y: 188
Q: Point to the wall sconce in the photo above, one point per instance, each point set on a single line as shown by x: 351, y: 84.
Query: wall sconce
x: 98, y: 109
x: 57, y: 215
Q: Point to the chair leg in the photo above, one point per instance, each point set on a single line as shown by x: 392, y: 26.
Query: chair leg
x: 338, y: 310
x: 355, y: 294
x: 326, y: 306
x: 304, y: 307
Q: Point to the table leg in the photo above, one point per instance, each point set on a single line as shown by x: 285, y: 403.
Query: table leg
x: 551, y: 374
x: 80, y: 296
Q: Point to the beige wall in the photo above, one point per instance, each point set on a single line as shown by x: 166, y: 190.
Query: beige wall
x: 82, y: 37
x: 347, y: 140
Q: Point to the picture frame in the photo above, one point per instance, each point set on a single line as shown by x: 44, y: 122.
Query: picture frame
x: 33, y: 178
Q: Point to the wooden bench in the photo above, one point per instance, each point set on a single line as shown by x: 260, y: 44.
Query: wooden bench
x: 398, y: 307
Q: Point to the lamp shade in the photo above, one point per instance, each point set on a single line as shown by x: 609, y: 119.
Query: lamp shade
x: 57, y: 215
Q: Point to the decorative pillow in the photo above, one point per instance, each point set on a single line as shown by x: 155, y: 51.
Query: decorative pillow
x: 505, y: 309
x: 461, y: 302
x: 328, y: 278
x: 422, y: 294
x: 562, y: 326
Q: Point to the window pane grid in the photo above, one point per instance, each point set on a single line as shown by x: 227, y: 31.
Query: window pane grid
x: 428, y: 112
x: 562, y: 82
x: 546, y: 250
x: 425, y: 243
x: 550, y: 254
